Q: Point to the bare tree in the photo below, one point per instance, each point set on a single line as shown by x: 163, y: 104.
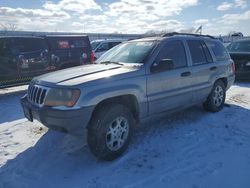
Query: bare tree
x: 8, y: 27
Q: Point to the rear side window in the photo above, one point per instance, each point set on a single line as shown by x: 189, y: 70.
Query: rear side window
x: 23, y: 45
x: 175, y: 51
x: 197, y: 52
x: 219, y: 50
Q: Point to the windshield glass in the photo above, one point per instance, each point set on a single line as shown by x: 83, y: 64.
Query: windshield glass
x: 131, y: 52
x: 240, y: 46
x: 94, y: 45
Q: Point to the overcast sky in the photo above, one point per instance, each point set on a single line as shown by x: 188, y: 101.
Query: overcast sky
x: 127, y: 16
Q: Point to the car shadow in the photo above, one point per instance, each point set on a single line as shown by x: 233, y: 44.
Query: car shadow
x: 11, y: 109
x: 60, y: 160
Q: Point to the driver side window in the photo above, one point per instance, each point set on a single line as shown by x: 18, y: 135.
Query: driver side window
x: 175, y: 51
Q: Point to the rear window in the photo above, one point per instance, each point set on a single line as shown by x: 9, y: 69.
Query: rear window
x: 63, y: 44
x: 239, y: 46
x: 219, y: 50
x: 68, y: 43
x: 94, y: 45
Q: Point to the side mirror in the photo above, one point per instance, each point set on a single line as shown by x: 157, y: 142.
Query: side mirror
x: 163, y: 65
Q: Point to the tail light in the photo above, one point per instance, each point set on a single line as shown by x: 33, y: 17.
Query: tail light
x: 92, y: 57
x: 232, y: 66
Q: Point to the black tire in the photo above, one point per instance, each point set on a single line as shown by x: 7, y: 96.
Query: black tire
x: 210, y: 104
x: 98, y: 131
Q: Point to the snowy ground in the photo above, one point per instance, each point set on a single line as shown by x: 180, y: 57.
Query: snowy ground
x: 191, y: 149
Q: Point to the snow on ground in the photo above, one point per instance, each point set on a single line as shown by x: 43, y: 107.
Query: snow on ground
x: 191, y: 149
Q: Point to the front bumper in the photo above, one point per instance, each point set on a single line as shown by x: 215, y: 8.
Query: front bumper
x: 73, y: 121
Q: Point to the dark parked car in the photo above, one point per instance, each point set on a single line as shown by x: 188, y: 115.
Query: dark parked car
x: 69, y: 51
x: 22, y: 58
x: 240, y: 53
x: 127, y: 85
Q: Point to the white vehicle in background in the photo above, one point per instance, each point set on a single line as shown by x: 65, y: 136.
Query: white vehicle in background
x: 99, y: 47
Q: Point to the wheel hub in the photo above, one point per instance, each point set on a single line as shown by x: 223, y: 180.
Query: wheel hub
x: 117, y: 133
x: 218, y: 95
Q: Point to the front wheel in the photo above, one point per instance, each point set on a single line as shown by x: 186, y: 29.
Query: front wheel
x: 110, y: 131
x: 216, y: 99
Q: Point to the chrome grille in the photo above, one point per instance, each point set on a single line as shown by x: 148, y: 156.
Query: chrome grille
x: 36, y: 94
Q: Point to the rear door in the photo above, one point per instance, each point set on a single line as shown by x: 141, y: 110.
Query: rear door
x: 173, y: 88
x: 80, y: 50
x: 69, y: 51
x: 203, y: 69
x: 8, y: 63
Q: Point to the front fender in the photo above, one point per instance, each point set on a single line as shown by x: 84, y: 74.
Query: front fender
x: 95, y: 96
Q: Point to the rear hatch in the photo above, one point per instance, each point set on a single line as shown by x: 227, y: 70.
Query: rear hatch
x: 69, y: 51
x: 242, y: 61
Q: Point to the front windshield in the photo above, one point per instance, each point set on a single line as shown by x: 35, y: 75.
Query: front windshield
x: 130, y: 52
x: 94, y: 45
x: 240, y: 46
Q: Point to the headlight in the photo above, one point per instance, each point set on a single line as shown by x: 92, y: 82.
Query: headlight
x: 62, y: 97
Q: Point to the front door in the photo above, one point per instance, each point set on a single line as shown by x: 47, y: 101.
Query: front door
x: 170, y: 89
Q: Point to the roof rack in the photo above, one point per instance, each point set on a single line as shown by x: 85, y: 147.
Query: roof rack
x: 189, y: 34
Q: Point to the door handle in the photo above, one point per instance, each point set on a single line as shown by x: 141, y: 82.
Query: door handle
x: 184, y: 74
x: 213, y: 68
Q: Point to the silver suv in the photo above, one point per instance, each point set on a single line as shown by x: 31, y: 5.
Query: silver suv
x: 128, y: 84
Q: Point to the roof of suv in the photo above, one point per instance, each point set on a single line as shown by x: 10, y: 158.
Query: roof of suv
x: 175, y: 34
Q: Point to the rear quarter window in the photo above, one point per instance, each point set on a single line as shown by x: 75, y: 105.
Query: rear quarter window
x: 218, y: 50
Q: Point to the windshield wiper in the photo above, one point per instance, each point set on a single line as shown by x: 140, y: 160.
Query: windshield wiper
x: 111, y: 62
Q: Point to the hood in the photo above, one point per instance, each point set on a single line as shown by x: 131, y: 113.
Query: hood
x: 82, y: 74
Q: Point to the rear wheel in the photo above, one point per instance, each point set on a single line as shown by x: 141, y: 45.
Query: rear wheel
x: 216, y: 99
x: 110, y: 131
